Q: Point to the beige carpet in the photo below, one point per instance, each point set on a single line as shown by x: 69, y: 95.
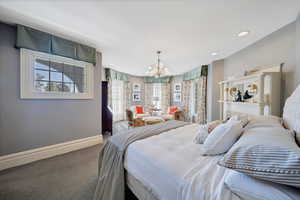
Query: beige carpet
x: 71, y: 176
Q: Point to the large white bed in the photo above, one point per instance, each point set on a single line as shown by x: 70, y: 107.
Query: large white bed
x: 170, y: 166
x: 162, y: 162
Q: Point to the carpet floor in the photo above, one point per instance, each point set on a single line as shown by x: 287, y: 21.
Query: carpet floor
x: 71, y: 176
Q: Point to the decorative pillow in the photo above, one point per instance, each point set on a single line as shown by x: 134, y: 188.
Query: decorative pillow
x: 291, y: 113
x: 204, y: 130
x: 242, y: 118
x: 212, y: 125
x: 249, y: 188
x: 139, y: 109
x: 263, y: 121
x: 222, y: 138
x: 267, y: 153
x: 172, y: 110
x: 202, y: 134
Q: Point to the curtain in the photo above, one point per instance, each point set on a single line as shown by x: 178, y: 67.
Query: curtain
x: 118, y: 100
x: 202, y: 104
x: 127, y: 97
x: 196, y: 73
x: 151, y: 79
x: 186, y: 85
x: 111, y: 74
x: 148, y: 96
x: 194, y: 100
x: 165, y: 96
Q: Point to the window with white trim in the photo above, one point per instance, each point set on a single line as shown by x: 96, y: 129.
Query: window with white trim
x: 157, y: 95
x: 46, y: 76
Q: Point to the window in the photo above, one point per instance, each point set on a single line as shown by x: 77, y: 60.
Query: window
x: 117, y: 100
x: 157, y: 95
x: 48, y: 76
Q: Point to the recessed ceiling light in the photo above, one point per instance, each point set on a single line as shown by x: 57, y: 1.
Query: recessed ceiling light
x: 243, y: 33
x: 214, y: 53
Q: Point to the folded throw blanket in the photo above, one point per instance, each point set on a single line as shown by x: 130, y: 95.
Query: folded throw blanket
x: 111, y: 180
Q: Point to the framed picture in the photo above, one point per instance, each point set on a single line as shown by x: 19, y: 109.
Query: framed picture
x: 136, y: 96
x: 136, y: 87
x: 177, y: 87
x: 177, y: 97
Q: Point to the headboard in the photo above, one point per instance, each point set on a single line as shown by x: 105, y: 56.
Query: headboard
x: 291, y: 113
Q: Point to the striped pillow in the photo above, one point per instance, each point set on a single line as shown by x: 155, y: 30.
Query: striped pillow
x: 267, y: 153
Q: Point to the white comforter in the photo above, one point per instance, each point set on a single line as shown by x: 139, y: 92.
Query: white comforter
x: 171, y: 165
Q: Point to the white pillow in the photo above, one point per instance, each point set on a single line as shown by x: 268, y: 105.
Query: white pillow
x: 249, y: 188
x: 202, y: 134
x: 222, y: 138
x: 242, y: 118
x: 264, y: 121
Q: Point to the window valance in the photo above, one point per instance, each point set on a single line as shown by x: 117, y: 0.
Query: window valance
x: 111, y: 74
x: 40, y: 41
x: 196, y: 73
x: 150, y: 79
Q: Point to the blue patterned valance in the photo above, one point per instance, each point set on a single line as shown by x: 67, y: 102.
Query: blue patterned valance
x: 111, y: 74
x: 151, y: 79
x: 40, y: 41
x: 196, y: 73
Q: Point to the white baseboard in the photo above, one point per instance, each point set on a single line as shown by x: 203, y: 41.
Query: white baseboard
x: 24, y: 157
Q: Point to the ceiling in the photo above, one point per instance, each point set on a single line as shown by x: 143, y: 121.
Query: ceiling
x: 128, y: 33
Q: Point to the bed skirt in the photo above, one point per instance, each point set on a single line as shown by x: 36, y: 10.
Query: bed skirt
x: 138, y: 189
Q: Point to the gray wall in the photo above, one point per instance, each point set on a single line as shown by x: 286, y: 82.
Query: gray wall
x: 215, y: 75
x: 278, y: 47
x: 28, y: 124
x: 297, y: 70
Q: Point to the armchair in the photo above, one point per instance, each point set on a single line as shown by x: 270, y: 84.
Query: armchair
x: 133, y: 122
x: 139, y: 111
x: 174, y: 113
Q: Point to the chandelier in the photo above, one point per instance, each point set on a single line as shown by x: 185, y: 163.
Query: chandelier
x: 158, y: 69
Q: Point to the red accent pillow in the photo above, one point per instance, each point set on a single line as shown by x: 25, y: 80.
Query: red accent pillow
x: 172, y: 110
x: 139, y: 109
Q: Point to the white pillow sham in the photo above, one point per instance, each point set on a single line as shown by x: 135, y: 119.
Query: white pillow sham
x: 263, y: 121
x: 202, y: 134
x: 204, y: 131
x: 249, y: 188
x: 242, y: 118
x: 222, y: 138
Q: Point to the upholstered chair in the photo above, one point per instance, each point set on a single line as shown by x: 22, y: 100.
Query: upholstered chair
x: 129, y: 116
x: 174, y: 113
x: 179, y: 115
x: 139, y: 111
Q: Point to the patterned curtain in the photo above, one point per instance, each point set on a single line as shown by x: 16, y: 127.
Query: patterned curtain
x: 166, y: 96
x: 126, y: 97
x: 186, y: 85
x: 148, y: 95
x: 201, y: 104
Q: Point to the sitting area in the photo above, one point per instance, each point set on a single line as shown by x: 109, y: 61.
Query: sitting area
x: 136, y: 116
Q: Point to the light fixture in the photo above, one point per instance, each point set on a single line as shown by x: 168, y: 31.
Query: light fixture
x: 214, y: 53
x: 243, y: 33
x: 158, y: 69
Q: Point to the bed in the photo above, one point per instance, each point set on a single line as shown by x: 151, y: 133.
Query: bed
x: 161, y: 162
x: 170, y: 164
